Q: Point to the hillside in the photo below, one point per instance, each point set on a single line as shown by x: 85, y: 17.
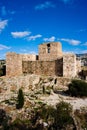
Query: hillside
x: 38, y: 91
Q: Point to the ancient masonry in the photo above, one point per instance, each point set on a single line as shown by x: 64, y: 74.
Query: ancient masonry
x: 51, y: 61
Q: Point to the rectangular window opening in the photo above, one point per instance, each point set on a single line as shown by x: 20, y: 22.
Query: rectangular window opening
x: 48, y: 48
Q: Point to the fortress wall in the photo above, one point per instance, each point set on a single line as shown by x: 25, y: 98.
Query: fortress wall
x: 28, y: 57
x: 59, y: 67
x: 69, y: 65
x: 50, y: 51
x: 13, y: 64
x: 78, y: 66
x: 39, y: 67
x: 48, y: 68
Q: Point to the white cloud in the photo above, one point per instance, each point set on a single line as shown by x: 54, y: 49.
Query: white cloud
x: 2, y: 47
x: 20, y: 34
x: 71, y: 41
x: 45, y: 5
x: 85, y: 44
x: 51, y: 39
x: 3, y: 24
x: 34, y: 37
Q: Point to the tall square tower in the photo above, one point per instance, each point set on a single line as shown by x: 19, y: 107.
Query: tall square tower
x: 50, y: 51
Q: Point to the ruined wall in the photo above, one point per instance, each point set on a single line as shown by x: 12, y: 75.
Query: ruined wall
x: 59, y: 67
x: 28, y: 57
x: 50, y: 51
x: 49, y: 68
x: 78, y: 66
x: 14, y: 63
x: 69, y: 65
x: 51, y: 62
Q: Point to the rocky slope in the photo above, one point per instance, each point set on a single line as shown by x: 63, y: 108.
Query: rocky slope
x: 37, y: 90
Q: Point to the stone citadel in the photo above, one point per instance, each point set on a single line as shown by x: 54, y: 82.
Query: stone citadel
x: 50, y: 61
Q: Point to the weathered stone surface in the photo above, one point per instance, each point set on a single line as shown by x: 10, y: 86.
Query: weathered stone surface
x: 48, y: 68
x: 33, y: 98
x: 69, y: 65
x: 78, y: 66
x: 50, y: 51
x: 50, y: 62
x: 14, y: 63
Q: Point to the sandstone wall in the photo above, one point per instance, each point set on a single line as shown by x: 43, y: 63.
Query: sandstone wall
x: 59, y: 67
x: 14, y: 62
x: 48, y: 68
x: 50, y: 51
x: 69, y: 65
x: 28, y: 57
x: 78, y: 66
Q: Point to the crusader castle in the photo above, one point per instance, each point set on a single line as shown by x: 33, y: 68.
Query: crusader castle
x: 50, y: 61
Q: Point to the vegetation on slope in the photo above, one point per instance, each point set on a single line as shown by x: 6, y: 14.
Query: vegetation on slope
x: 78, y: 88
x: 44, y: 118
x: 20, y: 99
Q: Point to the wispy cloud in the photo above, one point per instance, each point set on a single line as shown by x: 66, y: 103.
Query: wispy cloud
x: 85, y: 44
x: 2, y: 55
x: 2, y: 47
x: 81, y: 30
x: 84, y: 51
x: 70, y: 41
x: 3, y: 24
x: 20, y: 34
x: 67, y: 1
x: 44, y: 5
x: 3, y: 10
x: 34, y: 37
x: 12, y: 12
x: 26, y: 51
x: 51, y: 39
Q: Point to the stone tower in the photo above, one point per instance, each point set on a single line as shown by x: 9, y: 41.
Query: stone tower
x: 69, y: 65
x: 50, y: 51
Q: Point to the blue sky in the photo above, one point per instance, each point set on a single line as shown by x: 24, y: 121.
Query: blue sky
x: 24, y: 24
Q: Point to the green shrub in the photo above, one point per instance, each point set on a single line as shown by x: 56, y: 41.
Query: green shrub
x: 81, y: 116
x: 77, y: 88
x: 20, y: 99
x: 62, y: 117
x: 58, y: 118
x: 4, y: 120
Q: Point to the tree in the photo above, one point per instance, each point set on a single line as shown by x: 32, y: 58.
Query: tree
x: 20, y: 99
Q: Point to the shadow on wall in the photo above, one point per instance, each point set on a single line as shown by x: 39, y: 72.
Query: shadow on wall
x: 3, y: 70
x: 59, y: 67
